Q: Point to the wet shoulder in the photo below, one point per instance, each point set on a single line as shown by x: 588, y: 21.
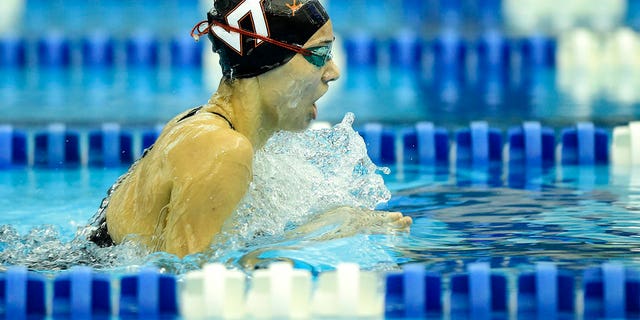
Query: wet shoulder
x: 205, y: 136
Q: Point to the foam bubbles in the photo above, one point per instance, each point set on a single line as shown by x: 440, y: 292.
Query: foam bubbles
x: 43, y: 249
x: 297, y: 175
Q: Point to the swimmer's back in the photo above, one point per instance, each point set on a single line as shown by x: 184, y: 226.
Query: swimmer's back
x: 177, y: 196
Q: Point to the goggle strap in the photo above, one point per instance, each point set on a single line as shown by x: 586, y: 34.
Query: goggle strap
x: 197, y: 32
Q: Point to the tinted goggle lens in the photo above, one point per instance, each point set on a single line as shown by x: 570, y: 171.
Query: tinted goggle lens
x: 319, y: 55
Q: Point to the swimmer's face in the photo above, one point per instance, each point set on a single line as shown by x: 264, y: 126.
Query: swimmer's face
x: 291, y: 91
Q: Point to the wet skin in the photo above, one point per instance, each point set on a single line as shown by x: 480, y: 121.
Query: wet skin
x: 178, y: 196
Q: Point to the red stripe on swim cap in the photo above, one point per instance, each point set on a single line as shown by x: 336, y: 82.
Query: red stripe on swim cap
x: 197, y: 32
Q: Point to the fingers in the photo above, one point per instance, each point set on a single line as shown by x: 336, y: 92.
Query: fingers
x: 398, y: 222
x: 403, y: 223
x: 394, y: 216
x: 406, y: 221
x: 399, y: 217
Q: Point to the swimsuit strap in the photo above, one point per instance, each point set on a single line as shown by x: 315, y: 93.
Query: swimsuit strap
x: 225, y: 119
x: 195, y: 110
x: 191, y: 113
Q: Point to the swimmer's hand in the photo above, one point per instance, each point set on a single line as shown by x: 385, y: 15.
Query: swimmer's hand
x: 399, y: 221
x: 346, y: 221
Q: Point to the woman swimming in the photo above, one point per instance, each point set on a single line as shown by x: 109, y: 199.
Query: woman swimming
x: 276, y: 62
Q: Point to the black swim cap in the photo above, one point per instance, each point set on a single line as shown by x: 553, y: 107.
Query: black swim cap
x: 288, y: 22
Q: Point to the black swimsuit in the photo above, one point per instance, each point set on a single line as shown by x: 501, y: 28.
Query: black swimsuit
x: 100, y: 235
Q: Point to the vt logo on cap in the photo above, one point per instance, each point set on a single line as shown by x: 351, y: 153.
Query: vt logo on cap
x: 252, y: 9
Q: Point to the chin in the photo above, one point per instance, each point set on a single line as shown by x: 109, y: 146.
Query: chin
x: 300, y: 126
x: 301, y: 129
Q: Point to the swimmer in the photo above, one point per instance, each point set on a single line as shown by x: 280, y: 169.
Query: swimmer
x: 276, y: 63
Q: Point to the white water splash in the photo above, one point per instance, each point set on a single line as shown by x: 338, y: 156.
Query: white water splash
x: 298, y: 175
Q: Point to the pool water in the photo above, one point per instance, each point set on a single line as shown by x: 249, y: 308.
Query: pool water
x: 64, y: 198
x: 571, y: 215
x: 574, y: 216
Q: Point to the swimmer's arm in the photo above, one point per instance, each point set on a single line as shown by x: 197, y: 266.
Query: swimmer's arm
x: 212, y: 172
x: 348, y: 221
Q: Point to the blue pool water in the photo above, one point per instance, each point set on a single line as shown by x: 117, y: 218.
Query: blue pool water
x: 576, y: 217
x: 573, y: 216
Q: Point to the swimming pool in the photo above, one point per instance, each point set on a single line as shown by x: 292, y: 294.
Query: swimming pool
x: 506, y: 222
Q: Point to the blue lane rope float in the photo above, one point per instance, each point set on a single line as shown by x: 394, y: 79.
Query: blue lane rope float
x: 425, y: 144
x: 98, y: 50
x: 6, y: 146
x: 405, y: 50
x: 479, y: 145
x: 20, y: 153
x: 413, y: 293
x: 54, y: 51
x: 142, y: 50
x: 478, y: 293
x: 361, y: 49
x: 16, y: 293
x: 81, y: 293
x: 584, y: 144
x: 13, y: 146
x: 57, y: 147
x: 13, y: 52
x: 537, y: 52
x: 480, y: 290
x: 611, y: 291
x: 111, y: 146
x: 185, y: 53
x: 494, y: 52
x: 149, y: 294
x: 547, y: 292
x: 22, y: 294
x: 380, y: 143
x: 449, y: 57
x: 614, y: 298
x: 530, y: 145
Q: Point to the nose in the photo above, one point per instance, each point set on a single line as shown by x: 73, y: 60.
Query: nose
x: 331, y: 73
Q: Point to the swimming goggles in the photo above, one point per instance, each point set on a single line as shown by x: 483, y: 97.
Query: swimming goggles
x: 317, y: 56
